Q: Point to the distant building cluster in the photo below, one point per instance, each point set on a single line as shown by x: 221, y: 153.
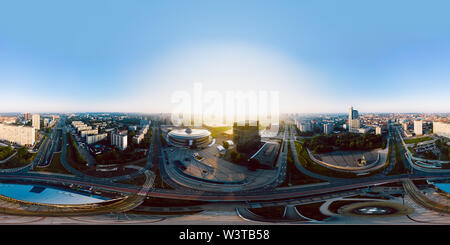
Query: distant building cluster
x: 80, y: 126
x: 48, y: 123
x: 96, y: 127
x: 303, y: 126
x: 8, y: 119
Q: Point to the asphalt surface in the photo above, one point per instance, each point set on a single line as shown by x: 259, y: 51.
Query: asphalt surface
x: 336, y: 184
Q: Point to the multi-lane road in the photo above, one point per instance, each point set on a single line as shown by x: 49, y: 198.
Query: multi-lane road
x: 157, y: 161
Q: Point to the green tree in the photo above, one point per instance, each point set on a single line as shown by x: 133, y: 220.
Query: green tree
x: 226, y: 145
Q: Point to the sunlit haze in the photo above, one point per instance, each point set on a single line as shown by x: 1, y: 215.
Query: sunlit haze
x: 320, y: 58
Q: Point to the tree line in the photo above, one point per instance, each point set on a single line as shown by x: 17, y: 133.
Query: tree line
x: 346, y: 141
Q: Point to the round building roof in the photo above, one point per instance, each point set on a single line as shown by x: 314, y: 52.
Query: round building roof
x: 189, y: 133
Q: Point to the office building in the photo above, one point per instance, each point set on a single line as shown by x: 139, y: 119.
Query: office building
x: 418, y: 127
x: 27, y: 116
x: 328, y: 128
x: 353, y: 120
x: 22, y: 135
x: 246, y: 137
x: 303, y: 126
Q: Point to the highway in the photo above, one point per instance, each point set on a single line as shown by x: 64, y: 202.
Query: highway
x: 254, y: 196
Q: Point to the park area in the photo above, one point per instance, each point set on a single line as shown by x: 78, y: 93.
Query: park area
x: 5, y: 152
x: 418, y: 140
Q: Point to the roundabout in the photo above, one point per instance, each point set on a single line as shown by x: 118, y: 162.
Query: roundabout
x: 376, y: 208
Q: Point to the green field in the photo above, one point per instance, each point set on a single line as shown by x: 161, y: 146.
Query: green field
x: 215, y: 131
x: 294, y: 176
x: 21, y: 159
x: 5, y: 152
x: 55, y: 166
x: 139, y: 180
x: 275, y: 212
x: 417, y: 140
x: 399, y: 167
x: 307, y: 163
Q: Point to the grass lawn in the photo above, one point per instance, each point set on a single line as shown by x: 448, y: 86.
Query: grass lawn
x: 55, y: 166
x: 14, y: 163
x: 5, y: 152
x: 215, y: 131
x: 306, y: 161
x: 294, y: 176
x: 17, y: 162
x: 399, y: 167
x: 138, y: 181
x: 160, y: 183
x: 165, y: 213
x: 275, y: 212
x: 417, y: 140
x: 312, y: 211
x: 309, y: 164
x: 167, y: 202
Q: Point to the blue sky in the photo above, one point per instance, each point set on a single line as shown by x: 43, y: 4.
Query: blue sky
x: 380, y: 56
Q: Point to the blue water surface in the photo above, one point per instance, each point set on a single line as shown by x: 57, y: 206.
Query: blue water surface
x: 443, y: 186
x: 47, y: 195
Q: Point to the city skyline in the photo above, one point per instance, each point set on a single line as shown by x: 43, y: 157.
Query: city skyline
x: 320, y: 57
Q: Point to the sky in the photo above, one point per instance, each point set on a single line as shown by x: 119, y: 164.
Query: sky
x: 130, y: 56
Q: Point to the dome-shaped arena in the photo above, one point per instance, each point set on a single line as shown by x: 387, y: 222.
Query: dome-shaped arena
x: 192, y: 138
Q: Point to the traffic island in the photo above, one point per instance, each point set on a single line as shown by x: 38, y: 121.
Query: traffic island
x: 375, y: 209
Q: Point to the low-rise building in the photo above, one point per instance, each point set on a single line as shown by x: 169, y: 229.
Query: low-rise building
x: 4, y: 119
x: 94, y: 138
x: 140, y: 136
x: 83, y: 133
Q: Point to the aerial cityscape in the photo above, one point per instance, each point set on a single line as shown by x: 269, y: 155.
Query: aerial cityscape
x: 224, y: 112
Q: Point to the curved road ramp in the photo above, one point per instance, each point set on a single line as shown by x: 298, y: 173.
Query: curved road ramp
x: 422, y: 199
x: 18, y: 207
